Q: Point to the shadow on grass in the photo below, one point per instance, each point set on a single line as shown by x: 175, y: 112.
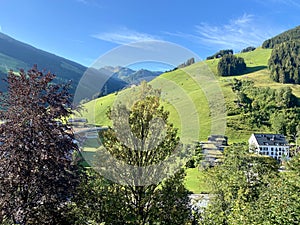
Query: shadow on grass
x: 253, y: 69
x: 249, y: 70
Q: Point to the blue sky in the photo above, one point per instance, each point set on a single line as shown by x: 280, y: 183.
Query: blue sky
x: 83, y: 30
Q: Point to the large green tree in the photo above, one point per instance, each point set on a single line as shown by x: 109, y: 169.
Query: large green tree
x: 138, y: 182
x: 37, y: 176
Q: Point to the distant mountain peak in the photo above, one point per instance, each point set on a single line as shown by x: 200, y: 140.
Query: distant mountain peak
x: 129, y: 75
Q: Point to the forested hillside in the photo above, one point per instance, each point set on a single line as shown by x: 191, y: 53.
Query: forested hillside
x: 289, y: 35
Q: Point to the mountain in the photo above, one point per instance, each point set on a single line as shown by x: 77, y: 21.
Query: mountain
x: 129, y: 75
x: 141, y: 75
x: 289, y: 35
x: 117, y: 71
x: 16, y: 55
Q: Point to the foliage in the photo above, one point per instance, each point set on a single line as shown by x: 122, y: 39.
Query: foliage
x: 264, y: 106
x: 279, y: 202
x: 138, y: 196
x: 195, y: 161
x: 237, y: 185
x: 220, y: 54
x: 249, y: 190
x: 284, y: 62
x: 248, y: 49
x: 37, y: 175
x: 231, y: 65
x: 289, y: 35
x: 286, y: 122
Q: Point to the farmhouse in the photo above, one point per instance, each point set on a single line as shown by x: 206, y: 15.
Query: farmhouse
x: 273, y: 145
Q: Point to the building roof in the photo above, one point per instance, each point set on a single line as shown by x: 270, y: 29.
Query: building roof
x: 270, y: 139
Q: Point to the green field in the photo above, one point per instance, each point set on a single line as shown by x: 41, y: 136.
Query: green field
x: 196, y: 182
x: 194, y: 96
x: 190, y: 99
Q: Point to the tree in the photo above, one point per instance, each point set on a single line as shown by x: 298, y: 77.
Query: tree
x: 37, y: 176
x: 138, y: 189
x: 231, y: 65
x: 279, y: 202
x: 237, y: 185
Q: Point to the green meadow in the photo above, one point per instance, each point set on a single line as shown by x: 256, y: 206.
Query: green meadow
x: 195, y: 96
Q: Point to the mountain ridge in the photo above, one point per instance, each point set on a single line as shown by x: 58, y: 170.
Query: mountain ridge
x: 18, y: 55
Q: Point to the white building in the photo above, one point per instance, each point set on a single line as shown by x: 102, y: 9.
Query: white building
x: 273, y: 145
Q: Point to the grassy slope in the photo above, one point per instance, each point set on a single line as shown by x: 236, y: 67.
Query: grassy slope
x: 256, y: 70
x: 182, y: 85
x: 195, y: 181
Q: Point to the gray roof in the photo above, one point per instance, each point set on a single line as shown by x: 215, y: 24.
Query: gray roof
x: 271, y: 139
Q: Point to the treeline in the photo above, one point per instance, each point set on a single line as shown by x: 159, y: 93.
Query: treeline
x: 293, y: 34
x: 284, y: 62
x: 220, y: 53
x: 185, y: 64
x: 248, y: 49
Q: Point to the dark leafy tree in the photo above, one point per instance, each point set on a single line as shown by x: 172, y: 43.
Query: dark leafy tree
x: 284, y: 62
x: 37, y: 176
x: 231, y: 65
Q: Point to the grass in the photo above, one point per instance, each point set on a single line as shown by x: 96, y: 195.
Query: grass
x: 182, y: 91
x: 196, y: 182
x: 186, y: 95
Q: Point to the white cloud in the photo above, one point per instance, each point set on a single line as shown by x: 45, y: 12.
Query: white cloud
x: 0, y: 28
x: 236, y: 34
x: 125, y: 36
